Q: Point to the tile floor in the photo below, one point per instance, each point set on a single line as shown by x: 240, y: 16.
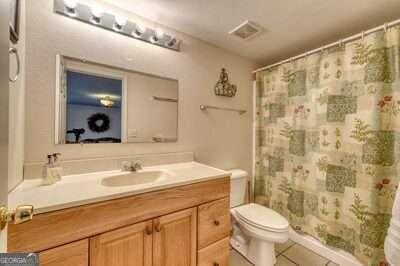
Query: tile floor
x: 288, y: 254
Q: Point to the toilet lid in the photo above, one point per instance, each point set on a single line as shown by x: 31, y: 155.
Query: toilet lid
x: 262, y: 217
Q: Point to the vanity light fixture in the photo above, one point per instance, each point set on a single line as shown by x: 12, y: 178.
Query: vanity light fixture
x: 70, y: 7
x: 97, y: 13
x: 96, y: 16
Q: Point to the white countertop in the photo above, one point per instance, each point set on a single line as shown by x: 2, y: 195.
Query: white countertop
x: 76, y: 190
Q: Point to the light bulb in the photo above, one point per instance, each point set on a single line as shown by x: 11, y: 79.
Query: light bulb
x: 71, y: 4
x: 139, y: 30
x: 121, y: 21
x: 159, y: 33
x: 154, y: 39
x: 97, y: 12
x: 172, y: 42
x: 157, y: 36
x: 140, y: 27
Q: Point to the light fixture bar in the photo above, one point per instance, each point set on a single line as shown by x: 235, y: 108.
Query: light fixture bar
x: 113, y: 23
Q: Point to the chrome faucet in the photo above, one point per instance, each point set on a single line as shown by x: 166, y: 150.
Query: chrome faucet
x: 137, y: 166
x: 131, y: 166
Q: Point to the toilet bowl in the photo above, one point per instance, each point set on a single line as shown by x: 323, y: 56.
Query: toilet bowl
x: 263, y: 228
x: 256, y: 229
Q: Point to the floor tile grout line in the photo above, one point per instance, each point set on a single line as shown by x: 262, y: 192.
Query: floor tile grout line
x: 314, y: 252
x: 240, y: 254
x: 292, y: 261
x: 280, y: 253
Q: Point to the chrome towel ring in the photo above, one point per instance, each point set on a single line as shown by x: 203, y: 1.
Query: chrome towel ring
x: 15, y: 52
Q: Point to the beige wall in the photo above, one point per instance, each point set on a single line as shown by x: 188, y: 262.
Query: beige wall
x: 221, y: 139
x: 16, y: 125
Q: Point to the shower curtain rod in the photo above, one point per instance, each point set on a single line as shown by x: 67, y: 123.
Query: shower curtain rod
x: 340, y: 42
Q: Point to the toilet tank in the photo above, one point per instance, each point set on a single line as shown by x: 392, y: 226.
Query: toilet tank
x: 238, y: 187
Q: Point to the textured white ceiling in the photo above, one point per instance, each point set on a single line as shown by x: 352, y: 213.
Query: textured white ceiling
x: 292, y: 26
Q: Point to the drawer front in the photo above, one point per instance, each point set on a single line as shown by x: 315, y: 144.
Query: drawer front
x: 213, y: 222
x: 216, y: 254
x: 76, y: 253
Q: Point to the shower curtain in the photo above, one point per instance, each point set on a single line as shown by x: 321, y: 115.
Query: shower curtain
x: 328, y: 143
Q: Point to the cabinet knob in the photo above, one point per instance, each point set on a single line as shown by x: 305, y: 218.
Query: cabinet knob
x: 158, y: 227
x: 149, y: 230
x: 216, y: 222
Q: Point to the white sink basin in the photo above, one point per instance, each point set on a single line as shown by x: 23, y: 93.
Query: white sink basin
x: 134, y: 178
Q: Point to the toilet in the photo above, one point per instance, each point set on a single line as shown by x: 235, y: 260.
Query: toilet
x: 256, y: 228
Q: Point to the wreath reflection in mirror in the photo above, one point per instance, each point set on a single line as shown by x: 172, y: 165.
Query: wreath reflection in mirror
x: 99, y: 122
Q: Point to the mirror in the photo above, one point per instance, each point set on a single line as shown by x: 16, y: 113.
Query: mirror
x: 97, y: 103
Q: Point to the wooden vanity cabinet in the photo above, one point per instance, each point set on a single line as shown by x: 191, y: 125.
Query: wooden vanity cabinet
x: 166, y: 241
x: 180, y: 226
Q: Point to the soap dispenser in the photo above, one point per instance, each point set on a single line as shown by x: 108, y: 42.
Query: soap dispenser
x: 56, y: 169
x: 52, y: 172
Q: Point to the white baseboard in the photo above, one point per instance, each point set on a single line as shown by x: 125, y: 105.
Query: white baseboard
x: 338, y: 256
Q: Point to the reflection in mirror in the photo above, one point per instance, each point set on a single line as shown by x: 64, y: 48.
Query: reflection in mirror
x: 93, y: 108
x: 97, y: 103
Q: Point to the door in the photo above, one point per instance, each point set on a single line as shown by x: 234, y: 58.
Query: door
x: 128, y: 246
x: 175, y: 239
x: 4, y: 111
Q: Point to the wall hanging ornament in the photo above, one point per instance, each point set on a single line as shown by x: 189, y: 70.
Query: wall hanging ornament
x: 223, y: 87
x: 99, y: 122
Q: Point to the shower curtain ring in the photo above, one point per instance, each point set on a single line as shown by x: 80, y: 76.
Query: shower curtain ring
x: 362, y: 36
x: 385, y: 27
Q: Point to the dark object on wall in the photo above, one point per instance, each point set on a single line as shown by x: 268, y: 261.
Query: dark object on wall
x: 99, y: 122
x: 14, y: 20
x: 77, y: 132
x: 223, y: 87
x: 102, y: 140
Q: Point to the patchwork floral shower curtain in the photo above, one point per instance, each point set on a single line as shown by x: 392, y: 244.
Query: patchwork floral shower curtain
x: 328, y: 150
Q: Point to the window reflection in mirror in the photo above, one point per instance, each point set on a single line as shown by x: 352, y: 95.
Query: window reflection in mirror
x: 97, y: 103
x: 93, y: 108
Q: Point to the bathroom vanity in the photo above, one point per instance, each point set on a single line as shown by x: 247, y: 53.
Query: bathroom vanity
x: 180, y: 219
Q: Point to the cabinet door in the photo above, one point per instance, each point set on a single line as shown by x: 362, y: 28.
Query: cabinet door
x: 128, y: 246
x: 175, y: 239
x: 76, y: 253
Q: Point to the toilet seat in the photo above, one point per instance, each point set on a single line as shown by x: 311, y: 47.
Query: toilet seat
x: 262, y: 217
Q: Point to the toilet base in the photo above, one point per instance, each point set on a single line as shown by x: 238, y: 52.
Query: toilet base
x: 261, y: 253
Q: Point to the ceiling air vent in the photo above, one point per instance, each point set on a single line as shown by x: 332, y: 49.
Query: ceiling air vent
x: 246, y: 30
